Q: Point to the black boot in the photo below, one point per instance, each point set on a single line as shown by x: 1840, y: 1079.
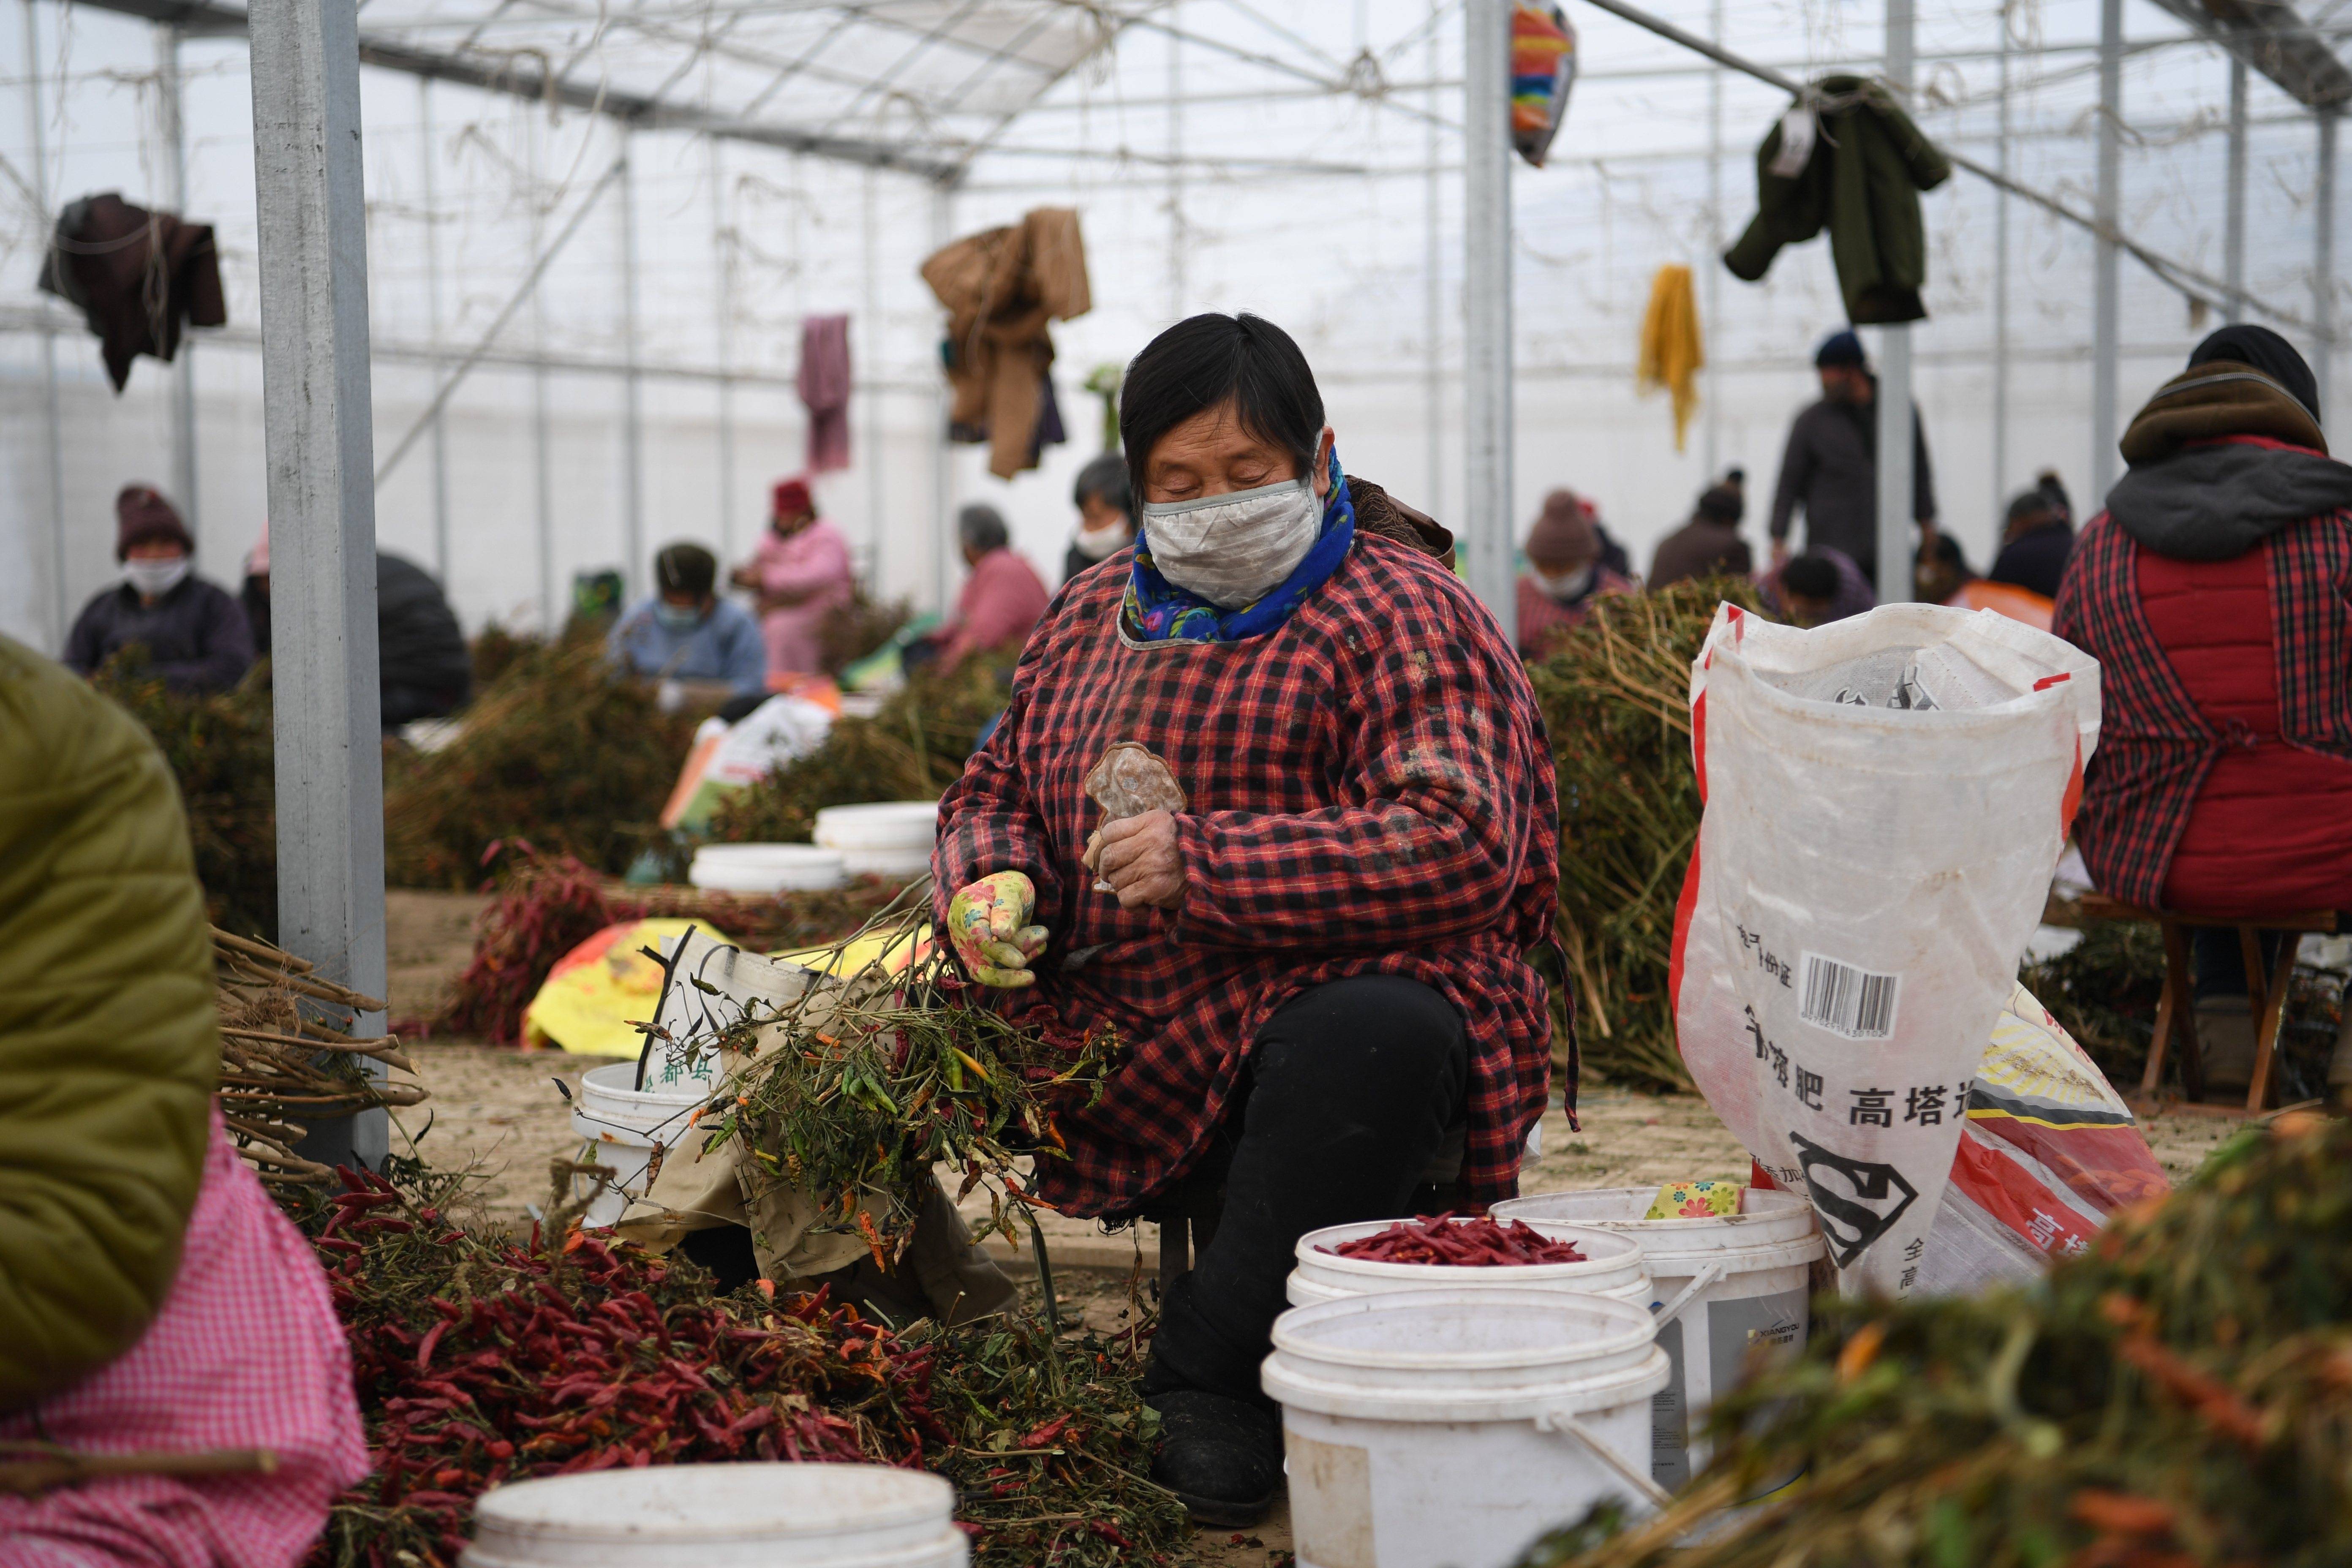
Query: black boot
x: 1221, y: 1457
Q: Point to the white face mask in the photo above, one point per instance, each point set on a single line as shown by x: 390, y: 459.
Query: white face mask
x: 1566, y: 584
x: 1094, y: 543
x: 1234, y: 549
x: 154, y: 579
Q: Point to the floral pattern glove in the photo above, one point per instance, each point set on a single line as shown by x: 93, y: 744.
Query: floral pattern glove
x: 987, y: 924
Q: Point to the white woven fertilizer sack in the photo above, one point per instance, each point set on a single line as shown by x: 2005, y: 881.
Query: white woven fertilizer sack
x: 1885, y: 799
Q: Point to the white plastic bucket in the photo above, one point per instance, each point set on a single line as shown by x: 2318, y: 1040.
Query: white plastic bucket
x: 886, y: 839
x: 623, y: 1125
x: 766, y: 867
x: 1613, y: 1267
x: 721, y: 1516
x: 1449, y: 1428
x: 1756, y: 1267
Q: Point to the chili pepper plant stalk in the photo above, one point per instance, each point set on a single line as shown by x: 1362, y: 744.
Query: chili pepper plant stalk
x: 864, y: 1085
x: 1615, y: 698
x: 2179, y: 1396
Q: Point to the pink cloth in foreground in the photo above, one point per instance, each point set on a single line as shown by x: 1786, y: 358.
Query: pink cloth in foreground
x: 814, y: 560
x: 246, y: 1354
x: 1001, y: 602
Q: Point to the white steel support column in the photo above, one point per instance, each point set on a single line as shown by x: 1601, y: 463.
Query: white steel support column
x: 1433, y: 267
x: 636, y: 570
x: 1711, y: 265
x: 943, y: 501
x: 61, y: 605
x: 174, y: 136
x: 2323, y: 266
x: 722, y: 247
x: 1895, y: 512
x: 2233, y: 222
x: 1487, y: 405
x: 1177, y: 240
x: 2107, y: 279
x: 554, y: 611
x: 866, y: 361
x: 2000, y: 285
x: 311, y: 232
x: 430, y: 154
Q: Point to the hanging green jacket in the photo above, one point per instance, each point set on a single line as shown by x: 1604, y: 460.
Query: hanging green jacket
x: 109, y: 1045
x: 1861, y: 183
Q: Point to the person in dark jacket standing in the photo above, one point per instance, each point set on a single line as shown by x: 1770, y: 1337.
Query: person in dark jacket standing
x: 1831, y: 466
x: 194, y: 635
x: 2036, y: 540
x: 424, y: 668
x: 2211, y: 591
x: 1708, y: 545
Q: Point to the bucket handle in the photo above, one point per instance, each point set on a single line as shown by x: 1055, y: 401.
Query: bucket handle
x: 1565, y: 1421
x: 1689, y: 1293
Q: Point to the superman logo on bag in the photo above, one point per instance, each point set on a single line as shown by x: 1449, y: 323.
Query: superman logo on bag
x: 1858, y: 1200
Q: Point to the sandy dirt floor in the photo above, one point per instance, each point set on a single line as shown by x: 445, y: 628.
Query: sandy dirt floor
x: 498, y: 1111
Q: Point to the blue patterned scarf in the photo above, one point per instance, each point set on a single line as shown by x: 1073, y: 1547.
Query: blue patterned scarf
x: 1157, y: 611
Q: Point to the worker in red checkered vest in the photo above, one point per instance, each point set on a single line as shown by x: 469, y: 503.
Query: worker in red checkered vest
x: 1273, y: 801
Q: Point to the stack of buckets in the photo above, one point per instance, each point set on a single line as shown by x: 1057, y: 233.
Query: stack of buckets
x: 1435, y: 1414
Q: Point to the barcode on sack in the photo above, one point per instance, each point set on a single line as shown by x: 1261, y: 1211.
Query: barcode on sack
x: 1848, y: 1001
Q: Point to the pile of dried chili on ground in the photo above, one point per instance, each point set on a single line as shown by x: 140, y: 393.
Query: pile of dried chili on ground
x: 479, y: 1360
x: 1479, y: 1243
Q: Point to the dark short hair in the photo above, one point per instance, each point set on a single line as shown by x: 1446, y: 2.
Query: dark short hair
x: 1814, y: 576
x: 686, y: 569
x: 1207, y: 360
x: 980, y: 527
x: 1944, y: 551
x: 2029, y: 503
x: 1105, y: 479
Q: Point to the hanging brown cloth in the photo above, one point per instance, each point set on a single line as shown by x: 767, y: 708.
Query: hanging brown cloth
x: 1001, y: 288
x: 136, y: 275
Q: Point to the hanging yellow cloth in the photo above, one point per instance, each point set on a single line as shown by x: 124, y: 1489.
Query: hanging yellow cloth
x: 1670, y: 354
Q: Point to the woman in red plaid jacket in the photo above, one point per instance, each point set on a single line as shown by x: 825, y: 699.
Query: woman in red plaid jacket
x: 1317, y: 961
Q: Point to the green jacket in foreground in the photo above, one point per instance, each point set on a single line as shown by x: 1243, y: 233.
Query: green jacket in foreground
x: 1861, y: 183
x: 108, y: 1047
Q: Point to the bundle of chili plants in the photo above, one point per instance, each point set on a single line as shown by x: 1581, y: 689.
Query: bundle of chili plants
x: 864, y: 1085
x: 221, y: 755
x: 850, y: 631
x: 546, y: 905
x: 1616, y: 700
x: 556, y: 750
x: 288, y: 1057
x: 2180, y: 1395
x: 1480, y: 1243
x: 910, y: 750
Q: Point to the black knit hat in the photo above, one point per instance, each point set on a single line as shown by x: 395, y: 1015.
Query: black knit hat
x: 2246, y: 344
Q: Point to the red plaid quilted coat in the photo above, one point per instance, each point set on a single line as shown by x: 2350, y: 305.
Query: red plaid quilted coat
x: 1370, y: 792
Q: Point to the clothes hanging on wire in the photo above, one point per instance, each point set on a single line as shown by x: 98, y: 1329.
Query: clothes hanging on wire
x: 825, y: 388
x: 1543, y: 68
x: 1847, y: 159
x: 136, y: 275
x: 1672, y: 354
x: 1001, y: 288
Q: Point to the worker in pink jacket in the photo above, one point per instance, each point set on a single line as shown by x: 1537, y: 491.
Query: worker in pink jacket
x: 1002, y: 598
x: 799, y: 572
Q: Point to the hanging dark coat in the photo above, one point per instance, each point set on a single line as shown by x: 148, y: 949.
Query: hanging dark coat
x: 136, y: 275
x: 1861, y: 183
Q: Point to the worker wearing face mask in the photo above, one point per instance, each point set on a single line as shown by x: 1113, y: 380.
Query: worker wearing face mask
x: 686, y: 636
x: 1565, y: 572
x: 1106, y: 503
x: 1306, y: 910
x: 193, y: 631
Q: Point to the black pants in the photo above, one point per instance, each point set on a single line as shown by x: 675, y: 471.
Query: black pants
x: 1352, y: 1088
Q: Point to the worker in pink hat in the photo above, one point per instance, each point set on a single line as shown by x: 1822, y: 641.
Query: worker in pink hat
x: 799, y: 572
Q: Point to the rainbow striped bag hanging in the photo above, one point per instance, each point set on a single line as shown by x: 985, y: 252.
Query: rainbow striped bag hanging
x: 1543, y: 64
